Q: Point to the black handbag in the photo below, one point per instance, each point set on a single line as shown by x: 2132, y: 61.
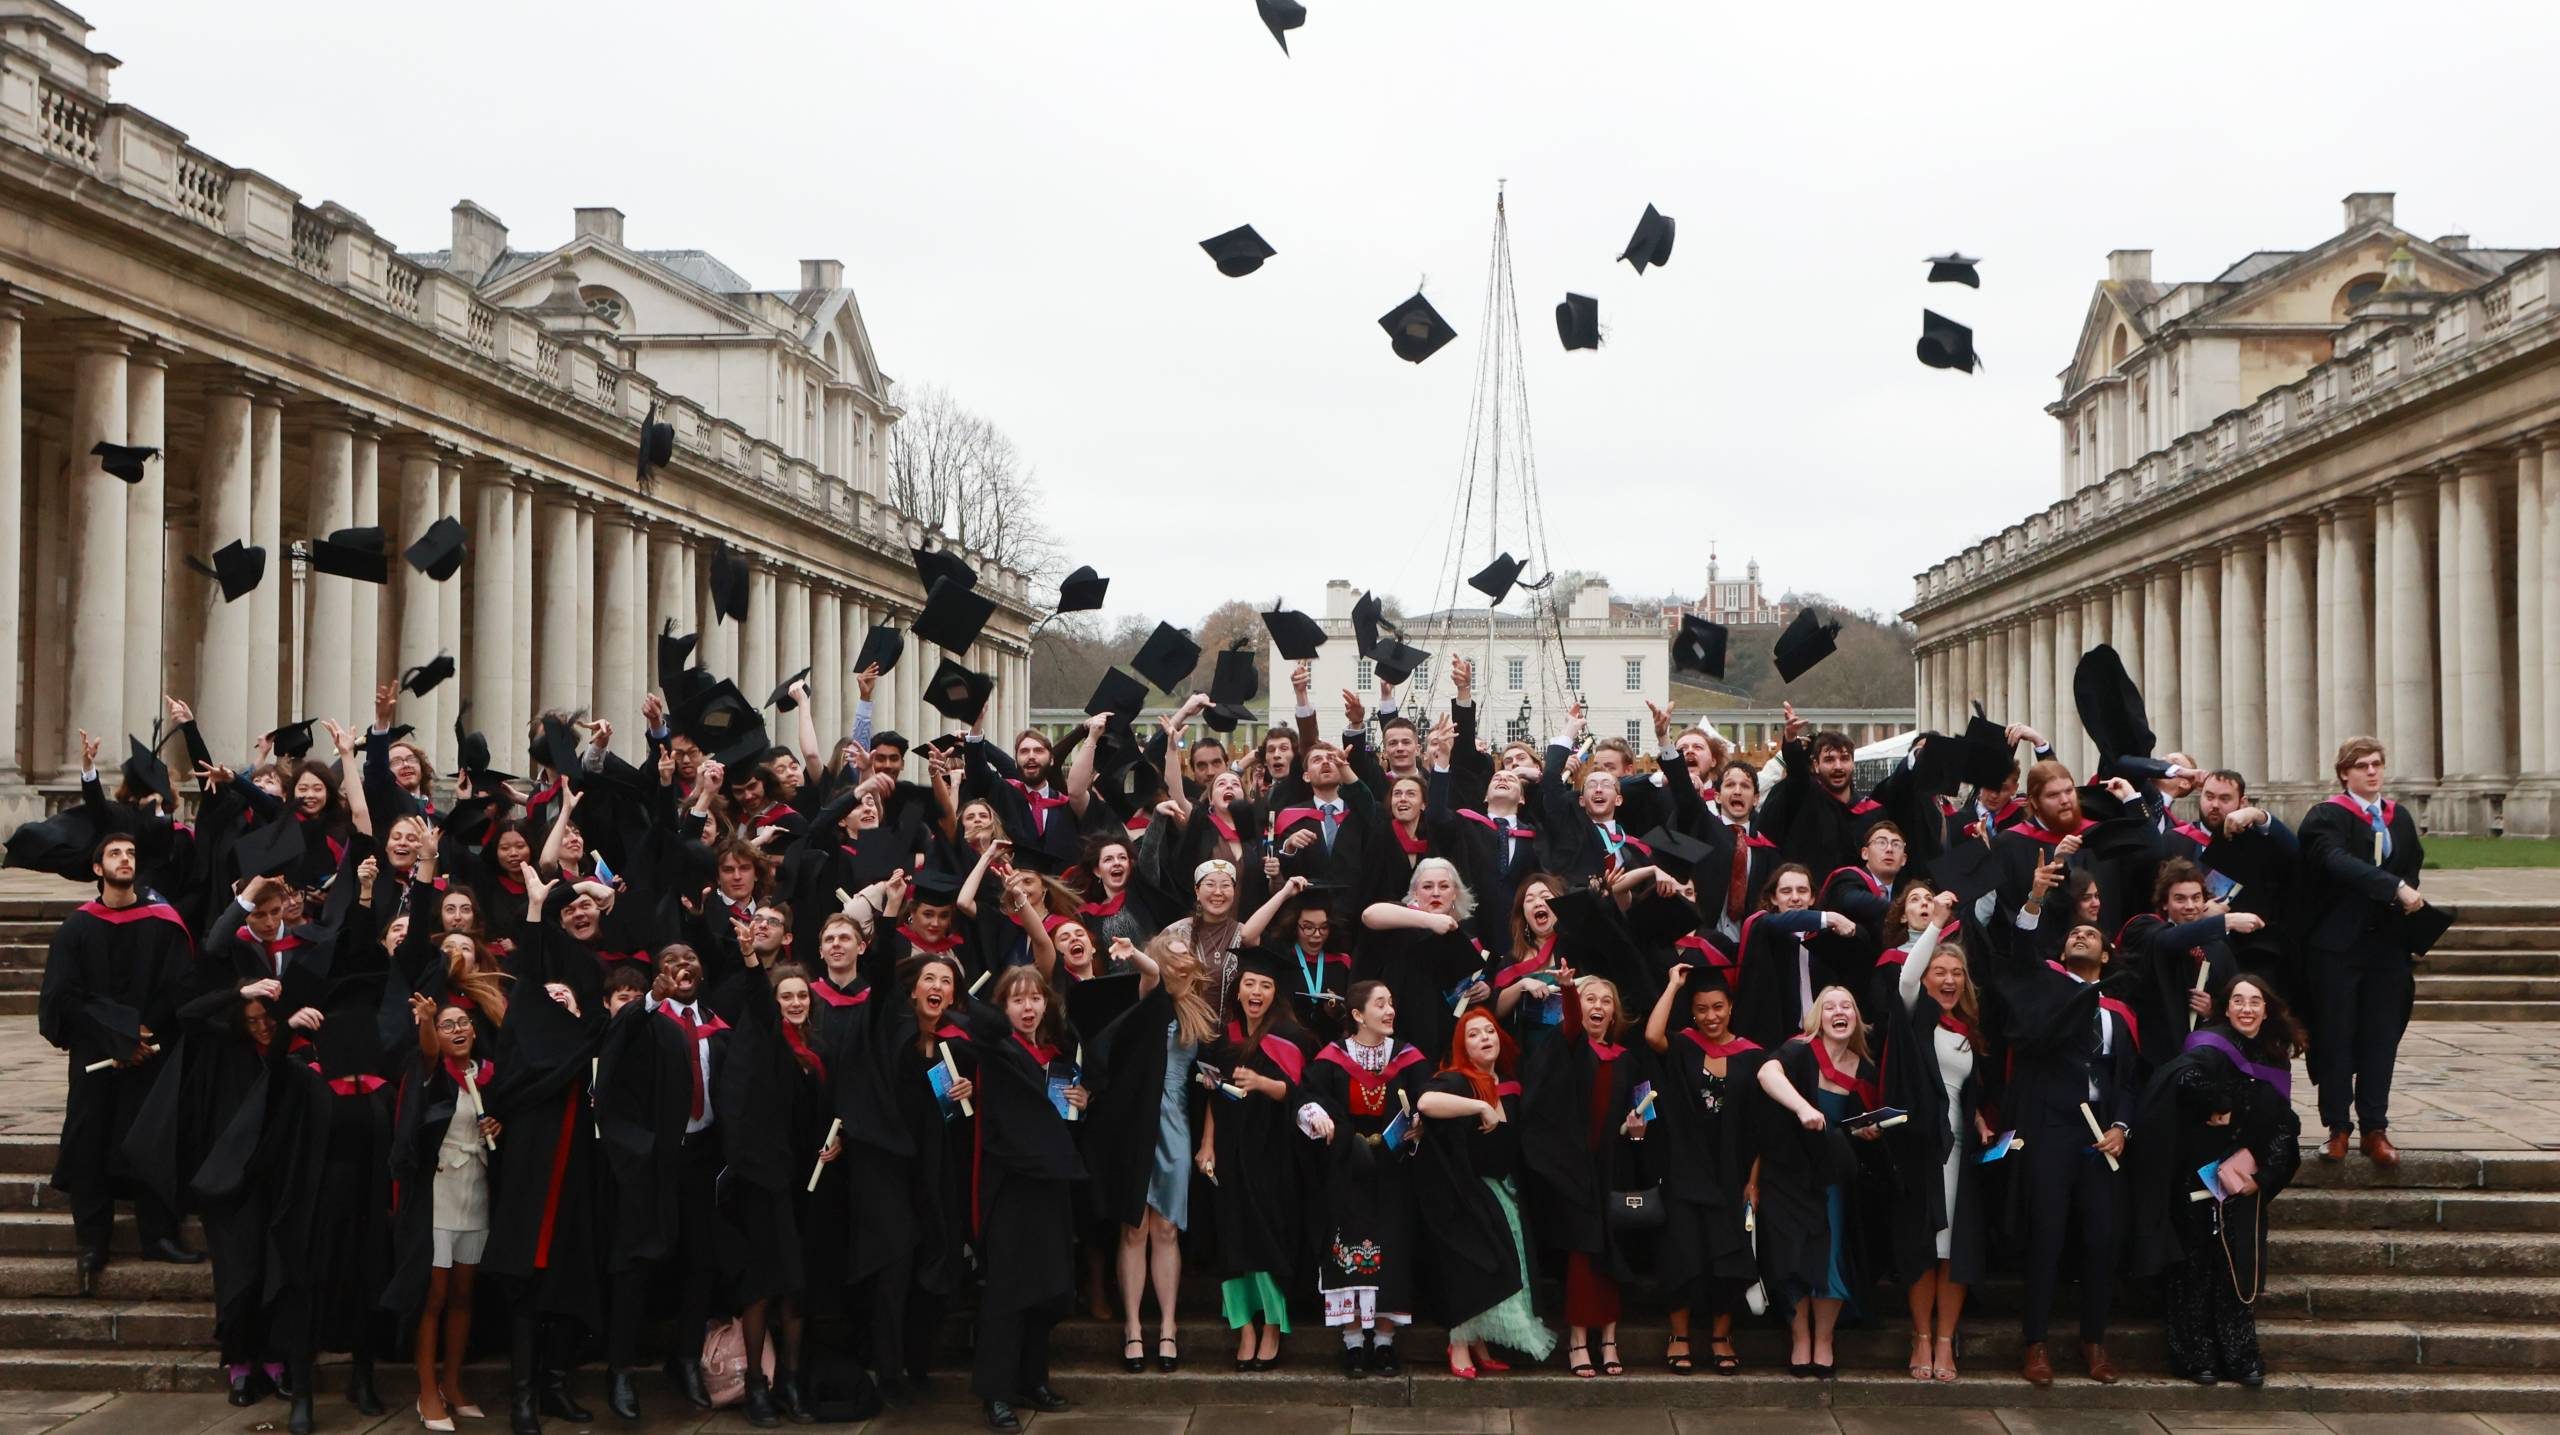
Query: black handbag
x: 1637, y: 1210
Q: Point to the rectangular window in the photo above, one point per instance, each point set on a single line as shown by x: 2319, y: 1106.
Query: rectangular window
x: 1635, y: 675
x: 1518, y: 728
x: 1421, y: 678
x: 1365, y: 681
x: 1635, y: 732
x: 1573, y: 675
x: 1514, y: 673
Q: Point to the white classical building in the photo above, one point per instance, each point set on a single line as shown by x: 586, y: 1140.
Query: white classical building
x: 301, y: 375
x: 2314, y: 496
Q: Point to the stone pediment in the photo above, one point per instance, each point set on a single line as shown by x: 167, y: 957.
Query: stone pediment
x: 656, y: 299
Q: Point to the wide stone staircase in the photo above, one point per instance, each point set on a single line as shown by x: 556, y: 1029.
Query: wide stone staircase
x: 2433, y: 1287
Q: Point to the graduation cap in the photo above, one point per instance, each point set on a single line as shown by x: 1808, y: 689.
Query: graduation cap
x: 1168, y: 657
x: 470, y: 749
x: 728, y: 585
x: 936, y: 884
x: 1659, y: 921
x: 675, y: 655
x: 555, y: 745
x: 238, y: 567
x: 1677, y: 852
x: 1396, y: 661
x: 934, y: 564
x: 1118, y: 694
x: 782, y: 701
x: 293, y: 740
x: 1082, y: 591
x: 268, y: 848
x: 424, y: 678
x: 1578, y: 321
x: 2422, y: 928
x: 1977, y: 757
x: 123, y: 460
x: 1293, y: 634
x: 2129, y: 836
x: 1239, y: 251
x: 1280, y: 16
x: 438, y: 551
x: 1234, y: 683
x: 714, y: 717
x: 1969, y: 868
x: 957, y: 693
x: 1416, y: 329
x: 144, y: 770
x: 1946, y: 344
x: 2110, y: 707
x: 1698, y: 647
x: 1499, y: 576
x: 1096, y: 1002
x: 355, y: 553
x: 881, y: 648
x: 1367, y: 617
x: 953, y: 615
x: 1651, y: 243
x: 1807, y: 641
x: 1953, y: 268
x: 657, y: 442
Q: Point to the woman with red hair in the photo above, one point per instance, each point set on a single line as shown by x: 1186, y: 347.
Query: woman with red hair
x: 1478, y: 1274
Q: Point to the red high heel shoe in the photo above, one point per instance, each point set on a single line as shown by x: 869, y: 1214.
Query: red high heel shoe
x: 1489, y: 1363
x: 1463, y: 1373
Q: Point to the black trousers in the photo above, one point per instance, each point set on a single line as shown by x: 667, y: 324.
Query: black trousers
x: 93, y: 1216
x: 2356, y: 1023
x: 2065, y: 1178
x: 1013, y: 1346
x: 905, y: 1321
x: 696, y: 1263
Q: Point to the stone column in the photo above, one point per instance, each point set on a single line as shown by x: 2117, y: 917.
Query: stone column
x: 528, y: 596
x: 2484, y: 650
x: 2014, y: 698
x: 2386, y: 542
x: 555, y: 603
x: 364, y: 603
x: 447, y: 700
x: 755, y: 635
x: 585, y: 685
x: 2037, y: 710
x: 2062, y: 727
x: 2124, y: 627
x: 2244, y: 672
x: 2097, y: 610
x: 795, y: 649
x: 2413, y: 629
x: 2547, y: 592
x: 266, y: 529
x: 827, y: 658
x: 416, y: 490
x: 2161, y: 685
x: 146, y: 542
x: 2531, y: 756
x: 330, y: 685
x: 13, y: 479
x: 222, y: 515
x: 2324, y: 614
x: 621, y: 606
x: 2447, y: 607
x: 2351, y: 709
x: 2200, y: 658
x: 2297, y: 701
x: 670, y: 600
x: 498, y: 615
x: 95, y: 503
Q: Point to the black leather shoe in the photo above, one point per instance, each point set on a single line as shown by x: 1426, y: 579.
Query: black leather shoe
x: 93, y: 1259
x: 786, y: 1398
x: 687, y: 1375
x: 2253, y: 1377
x: 522, y: 1417
x: 1384, y: 1360
x: 244, y: 1389
x: 167, y: 1250
x: 360, y: 1391
x: 301, y: 1422
x: 1355, y: 1361
x: 556, y: 1399
x: 2200, y: 1377
x: 1000, y: 1416
x: 620, y: 1398
x: 759, y: 1407
x: 1041, y: 1397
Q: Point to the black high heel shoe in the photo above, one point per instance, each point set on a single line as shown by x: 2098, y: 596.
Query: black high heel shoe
x: 1133, y: 1360
x: 1168, y: 1354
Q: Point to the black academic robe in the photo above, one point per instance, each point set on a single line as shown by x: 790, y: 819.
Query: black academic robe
x: 2352, y: 900
x: 1808, y: 823
x: 1024, y: 1153
x: 773, y: 1115
x: 1705, y: 1141
x: 1866, y: 900
x: 1768, y: 999
x: 2169, y: 959
x: 1572, y: 1160
x: 542, y: 1227
x: 1469, y: 1262
x: 2265, y: 861
x: 1260, y: 1219
x: 1422, y: 969
x: 1343, y: 872
x: 2178, y: 1138
x: 643, y: 1099
x: 1917, y: 1150
x: 1492, y: 853
x: 1128, y: 1058
x: 111, y: 974
x: 1369, y: 1196
x: 1797, y: 1170
x: 430, y: 1100
x: 908, y: 1193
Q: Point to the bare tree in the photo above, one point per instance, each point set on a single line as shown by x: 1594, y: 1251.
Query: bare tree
x: 956, y: 470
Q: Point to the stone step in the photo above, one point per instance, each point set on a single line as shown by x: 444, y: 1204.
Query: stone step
x: 2422, y: 1252
x: 2469, y: 935
x: 54, y: 1277
x: 2445, y: 1170
x: 2433, y: 986
x: 2367, y: 1209
x: 2519, y: 961
x: 2487, y: 1011
x: 38, y: 1233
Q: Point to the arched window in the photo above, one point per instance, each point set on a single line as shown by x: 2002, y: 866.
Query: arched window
x: 605, y: 305
x: 2358, y: 289
x: 2117, y: 347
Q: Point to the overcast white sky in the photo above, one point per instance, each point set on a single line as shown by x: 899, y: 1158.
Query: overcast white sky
x: 1017, y: 190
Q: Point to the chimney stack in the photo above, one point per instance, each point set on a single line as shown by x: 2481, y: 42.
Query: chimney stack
x: 2368, y: 206
x: 821, y: 273
x: 479, y: 237
x: 2453, y: 241
x: 604, y: 223
x: 2128, y: 266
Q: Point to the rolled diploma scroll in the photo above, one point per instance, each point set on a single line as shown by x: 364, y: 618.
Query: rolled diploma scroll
x: 951, y: 1069
x: 819, y: 1168
x: 2204, y: 974
x: 1077, y: 1113
x: 2098, y: 1133
x: 479, y: 1113
x: 98, y: 1066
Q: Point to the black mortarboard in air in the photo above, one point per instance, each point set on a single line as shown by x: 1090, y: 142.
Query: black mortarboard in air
x: 1096, y: 1002
x: 953, y: 615
x: 1954, y: 268
x: 1281, y: 16
x: 1578, y: 321
x: 1231, y: 687
x: 957, y: 693
x: 1239, y: 251
x: 715, y: 715
x: 355, y: 553
x: 1367, y: 616
x: 1118, y: 694
x: 1416, y: 329
x: 2129, y: 837
x: 555, y: 745
x: 1496, y: 580
x: 933, y: 564
x: 1976, y: 757
x: 1698, y: 647
x: 1946, y: 344
x: 424, y: 678
x: 238, y: 567
x: 144, y: 770
x: 1082, y: 591
x: 1807, y: 641
x: 1651, y: 243
x: 881, y: 648
x: 268, y: 848
x: 728, y: 585
x: 675, y: 655
x: 657, y: 442
x: 2110, y: 707
x: 782, y: 701
x: 1970, y: 867
x: 1395, y: 661
x: 470, y: 749
x: 123, y: 460
x: 1677, y: 853
x: 1293, y: 633
x: 1168, y: 657
x: 293, y: 740
x: 438, y: 551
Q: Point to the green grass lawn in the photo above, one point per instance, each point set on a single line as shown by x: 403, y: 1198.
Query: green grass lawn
x: 2460, y: 852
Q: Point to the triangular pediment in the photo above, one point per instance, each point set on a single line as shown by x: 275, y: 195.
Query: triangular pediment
x: 656, y: 299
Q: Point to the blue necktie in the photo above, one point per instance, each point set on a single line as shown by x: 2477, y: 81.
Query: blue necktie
x: 1332, y: 822
x: 2381, y: 832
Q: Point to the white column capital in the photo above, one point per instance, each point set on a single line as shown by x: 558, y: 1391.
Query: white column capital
x: 99, y: 336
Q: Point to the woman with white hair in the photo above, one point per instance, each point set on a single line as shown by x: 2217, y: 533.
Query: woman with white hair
x: 1420, y: 949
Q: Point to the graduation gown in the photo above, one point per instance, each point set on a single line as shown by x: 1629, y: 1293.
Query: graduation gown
x: 542, y: 1227
x: 1128, y: 1093
x: 1797, y: 1170
x: 643, y: 1098
x: 1368, y: 1188
x: 1917, y: 1150
x: 1260, y: 1219
x: 110, y: 974
x: 1705, y: 1153
x: 1569, y: 1161
x: 2169, y: 959
x: 1768, y: 999
x: 773, y: 1116
x: 1469, y: 1264
x: 907, y: 1192
x: 1421, y: 969
x: 1024, y: 1153
x: 430, y: 1098
x: 2213, y: 1075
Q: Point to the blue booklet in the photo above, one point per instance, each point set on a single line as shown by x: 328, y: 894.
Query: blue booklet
x: 939, y: 1077
x: 1398, y: 1132
x: 2001, y: 1145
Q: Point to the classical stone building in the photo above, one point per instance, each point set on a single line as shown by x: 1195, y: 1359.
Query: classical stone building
x: 301, y: 375
x: 2314, y: 496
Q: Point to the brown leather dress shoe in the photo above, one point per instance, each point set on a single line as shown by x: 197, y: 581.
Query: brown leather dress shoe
x: 2335, y: 1148
x: 2378, y: 1145
x: 2101, y: 1369
x: 2039, y: 1367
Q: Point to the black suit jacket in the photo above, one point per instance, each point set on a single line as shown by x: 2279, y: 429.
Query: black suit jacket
x: 2353, y: 902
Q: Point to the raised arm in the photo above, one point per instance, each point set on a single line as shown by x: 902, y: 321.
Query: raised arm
x: 1250, y: 934
x: 978, y: 874
x: 1915, y: 963
x: 1657, y: 1024
x: 1080, y: 767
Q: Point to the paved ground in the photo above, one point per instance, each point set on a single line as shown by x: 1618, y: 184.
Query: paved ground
x: 37, y: 1414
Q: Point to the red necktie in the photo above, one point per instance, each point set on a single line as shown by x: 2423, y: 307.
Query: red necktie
x: 1737, y: 892
x: 692, y: 1056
